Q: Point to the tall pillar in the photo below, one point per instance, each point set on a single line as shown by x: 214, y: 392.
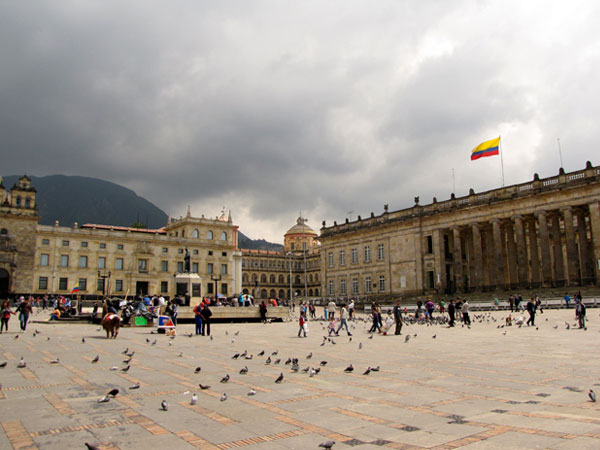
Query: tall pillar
x: 511, y: 248
x: 477, y: 257
x: 584, y: 248
x: 545, y: 248
x: 439, y: 260
x: 571, y: 244
x: 458, y: 261
x: 533, y: 255
x: 595, y: 228
x: 521, y: 252
x: 560, y: 279
x: 498, y: 250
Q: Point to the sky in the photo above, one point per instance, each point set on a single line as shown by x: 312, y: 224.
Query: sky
x: 275, y: 108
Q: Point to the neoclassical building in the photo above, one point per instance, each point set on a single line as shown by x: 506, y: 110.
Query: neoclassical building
x: 541, y: 234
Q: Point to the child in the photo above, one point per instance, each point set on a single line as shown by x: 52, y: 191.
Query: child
x: 302, y: 324
x: 5, y: 315
x: 331, y: 327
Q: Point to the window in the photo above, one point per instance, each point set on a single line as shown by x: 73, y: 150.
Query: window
x: 210, y: 253
x: 342, y: 257
x: 164, y: 266
x: 354, y: 256
x: 102, y: 245
x: 330, y: 287
x: 209, y: 235
x: 195, y: 267
x: 83, y: 284
x: 195, y: 252
x: 343, y: 287
x: 165, y: 250
x: 43, y: 283
x: 355, y: 285
x: 64, y: 260
x: 118, y: 285
x: 102, y: 262
x: 83, y: 262
x: 142, y: 265
x: 65, y: 243
x: 63, y: 283
x: 224, y: 288
x: 429, y: 244
x: 209, y: 268
x: 164, y: 287
x: 292, y: 246
x: 223, y: 269
x: 330, y: 256
x: 367, y: 285
x: 180, y: 250
x: 380, y: 254
x: 119, y: 264
x: 367, y: 253
x: 195, y: 233
x: 381, y: 283
x: 179, y: 267
x: 209, y: 288
x: 84, y: 244
x: 119, y: 246
x: 100, y: 285
x: 44, y: 241
x: 223, y: 236
x: 224, y: 254
x: 44, y: 259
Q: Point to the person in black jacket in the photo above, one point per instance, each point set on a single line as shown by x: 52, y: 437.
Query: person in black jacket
x: 451, y: 312
x: 398, y: 318
x: 206, y: 313
x: 263, y: 312
x: 531, y: 311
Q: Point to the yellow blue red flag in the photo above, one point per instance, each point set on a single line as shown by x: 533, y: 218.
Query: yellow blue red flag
x: 487, y: 148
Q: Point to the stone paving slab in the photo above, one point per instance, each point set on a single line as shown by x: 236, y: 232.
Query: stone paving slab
x: 480, y: 388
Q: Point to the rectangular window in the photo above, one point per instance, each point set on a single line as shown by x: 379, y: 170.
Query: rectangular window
x: 342, y: 258
x: 142, y: 265
x: 194, y: 267
x: 223, y: 269
x: 100, y: 285
x: 354, y: 256
x: 44, y: 259
x: 164, y: 287
x: 330, y: 256
x: 84, y: 244
x: 209, y: 288
x: 180, y: 250
x: 119, y: 246
x: 103, y: 245
x: 65, y: 243
x: 195, y: 252
x: 196, y: 291
x: 45, y: 241
x: 430, y: 279
x: 210, y: 253
x: 209, y: 268
x: 119, y: 264
x: 43, y: 283
x: 83, y: 262
x: 331, y: 290
x: 355, y: 285
x: 429, y: 244
x: 101, y: 262
x: 164, y: 266
x: 224, y: 254
x: 381, y: 283
x: 179, y: 267
x: 343, y: 287
x: 118, y: 285
x: 367, y: 285
x: 367, y: 253
x: 165, y: 250
x: 224, y: 288
x: 63, y: 283
x: 64, y: 260
x: 380, y: 253
x: 83, y: 284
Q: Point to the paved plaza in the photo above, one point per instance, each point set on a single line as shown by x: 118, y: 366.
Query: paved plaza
x: 479, y: 388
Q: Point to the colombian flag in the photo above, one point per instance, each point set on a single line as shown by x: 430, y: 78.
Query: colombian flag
x: 487, y: 148
x: 75, y: 289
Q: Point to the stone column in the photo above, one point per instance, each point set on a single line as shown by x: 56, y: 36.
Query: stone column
x: 498, y: 273
x: 572, y: 254
x: 458, y: 261
x: 470, y: 266
x: 559, y: 266
x: 521, y: 252
x: 545, y: 248
x: 595, y: 228
x: 584, y: 247
x: 478, y: 256
x: 534, y: 257
x: 511, y: 249
x: 439, y: 260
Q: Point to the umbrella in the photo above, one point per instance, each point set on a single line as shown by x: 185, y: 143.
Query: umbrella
x: 221, y: 296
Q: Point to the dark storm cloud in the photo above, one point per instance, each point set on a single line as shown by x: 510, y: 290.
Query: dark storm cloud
x: 272, y: 108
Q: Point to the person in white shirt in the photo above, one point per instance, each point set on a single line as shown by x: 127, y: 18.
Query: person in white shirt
x: 465, y: 313
x: 343, y: 321
x: 331, y: 310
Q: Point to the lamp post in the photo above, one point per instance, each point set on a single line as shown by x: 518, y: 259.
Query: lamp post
x: 103, y: 275
x: 216, y: 279
x: 291, y: 255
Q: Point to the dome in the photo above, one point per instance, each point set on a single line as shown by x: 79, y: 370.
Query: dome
x: 301, y: 228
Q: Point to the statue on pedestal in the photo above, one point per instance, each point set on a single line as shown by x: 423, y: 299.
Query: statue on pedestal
x: 186, y: 260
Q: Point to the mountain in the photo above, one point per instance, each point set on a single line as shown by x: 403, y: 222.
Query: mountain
x: 257, y: 244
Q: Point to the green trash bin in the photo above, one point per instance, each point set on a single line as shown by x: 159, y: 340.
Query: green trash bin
x: 140, y: 321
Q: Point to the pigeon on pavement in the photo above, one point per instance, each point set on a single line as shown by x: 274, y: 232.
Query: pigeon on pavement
x: 224, y: 397
x: 327, y: 444
x: 225, y: 379
x: 350, y: 368
x: 164, y: 405
x: 592, y: 395
x: 279, y: 378
x: 194, y: 399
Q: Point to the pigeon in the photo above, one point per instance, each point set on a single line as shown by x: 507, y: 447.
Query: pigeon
x: 295, y: 367
x: 327, y: 444
x: 313, y: 372
x: 153, y: 342
x: 223, y: 397
x: 268, y: 361
x: 375, y: 369
x: 288, y: 361
x: 244, y: 370
x: 317, y: 370
x: 279, y: 378
x: 248, y: 356
x: 360, y: 345
x: 21, y: 364
x: 113, y: 392
x: 131, y: 354
x: 204, y: 386
x: 124, y: 352
x: 54, y: 361
x: 91, y: 447
x: 96, y: 359
x: 277, y: 361
x: 114, y: 368
x: 194, y: 399
x: 104, y: 399
x: 236, y: 356
x: 434, y: 336
x: 170, y: 343
x: 275, y: 353
x: 180, y: 354
x: 262, y: 352
x: 306, y: 369
x: 225, y: 379
x: 251, y: 392
x: 3, y: 364
x: 367, y: 372
x: 16, y: 337
x: 323, y: 363
x: 127, y: 361
x: 125, y: 369
x: 407, y: 338
x: 592, y: 396
x: 211, y: 337
x: 147, y: 341
x: 243, y: 355
x: 371, y: 337
x: 135, y: 386
x: 237, y: 333
x: 83, y: 340
x: 164, y: 405
x: 349, y: 369
x: 198, y: 369
x: 309, y: 355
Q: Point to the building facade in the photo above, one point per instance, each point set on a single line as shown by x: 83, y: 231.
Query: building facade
x: 540, y: 234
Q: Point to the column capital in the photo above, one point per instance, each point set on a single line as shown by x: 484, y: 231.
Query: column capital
x: 494, y: 220
x: 566, y: 209
x: 541, y: 212
x: 517, y: 217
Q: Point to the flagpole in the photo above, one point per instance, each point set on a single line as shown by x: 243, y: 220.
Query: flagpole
x: 559, y: 153
x: 453, y: 182
x: 501, y: 159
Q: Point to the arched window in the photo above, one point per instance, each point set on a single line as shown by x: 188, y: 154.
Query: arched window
x: 272, y: 293
x: 209, y: 235
x: 263, y: 278
x: 19, y: 200
x: 195, y: 234
x: 280, y: 280
x: 3, y: 231
x: 310, y: 293
x: 297, y: 279
x: 245, y: 278
x: 272, y: 279
x: 281, y: 293
x: 316, y: 292
x: 27, y: 202
x: 310, y: 278
x: 223, y: 236
x: 254, y: 277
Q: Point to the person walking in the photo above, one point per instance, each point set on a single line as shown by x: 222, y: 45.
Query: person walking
x: 531, y: 312
x: 24, y: 309
x: 198, y: 318
x: 375, y: 316
x: 343, y: 321
x: 302, y: 324
x: 331, y: 309
x: 351, y: 309
x: 581, y: 314
x: 398, y: 318
x: 263, y: 312
x: 5, y: 314
x: 451, y: 312
x: 465, y: 312
x: 206, y: 313
x: 567, y: 300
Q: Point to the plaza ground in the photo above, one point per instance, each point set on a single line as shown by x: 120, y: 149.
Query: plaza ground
x: 479, y: 388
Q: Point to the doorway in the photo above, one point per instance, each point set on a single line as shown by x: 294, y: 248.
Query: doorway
x: 141, y: 288
x: 4, y: 283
